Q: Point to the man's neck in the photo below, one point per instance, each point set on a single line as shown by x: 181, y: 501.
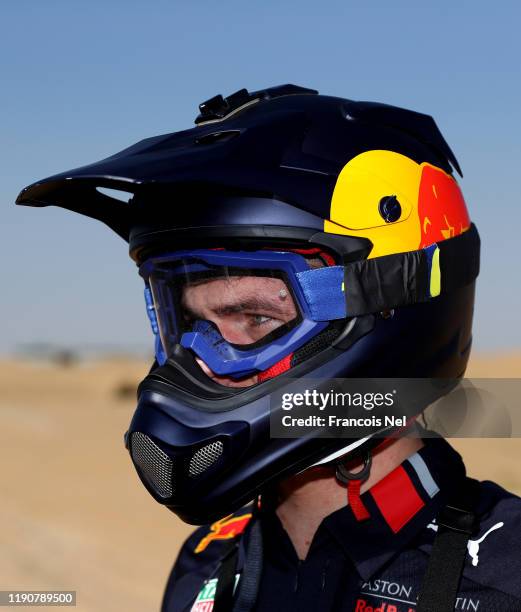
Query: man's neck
x: 306, y: 499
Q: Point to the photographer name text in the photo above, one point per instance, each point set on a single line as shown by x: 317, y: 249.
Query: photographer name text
x: 332, y: 420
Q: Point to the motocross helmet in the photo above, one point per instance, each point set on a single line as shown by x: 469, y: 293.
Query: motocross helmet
x: 288, y: 235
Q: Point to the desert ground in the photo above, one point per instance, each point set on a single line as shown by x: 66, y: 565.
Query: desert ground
x: 73, y: 515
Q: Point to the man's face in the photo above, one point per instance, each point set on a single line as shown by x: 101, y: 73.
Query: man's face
x: 245, y: 309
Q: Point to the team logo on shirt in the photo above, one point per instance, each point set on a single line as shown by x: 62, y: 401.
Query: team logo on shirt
x: 206, y: 597
x: 224, y: 529
x: 383, y: 595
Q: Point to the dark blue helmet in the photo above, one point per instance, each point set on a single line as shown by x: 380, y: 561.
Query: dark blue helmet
x: 345, y: 213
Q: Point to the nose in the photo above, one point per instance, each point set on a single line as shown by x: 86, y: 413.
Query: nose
x: 226, y: 381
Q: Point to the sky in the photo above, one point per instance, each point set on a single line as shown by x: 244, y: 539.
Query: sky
x: 82, y: 80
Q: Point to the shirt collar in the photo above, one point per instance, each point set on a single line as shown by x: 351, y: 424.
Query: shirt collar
x: 400, y: 506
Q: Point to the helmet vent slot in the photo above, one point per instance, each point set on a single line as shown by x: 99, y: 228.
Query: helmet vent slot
x: 204, y: 458
x: 155, y: 465
x: 216, y: 137
x: 116, y: 194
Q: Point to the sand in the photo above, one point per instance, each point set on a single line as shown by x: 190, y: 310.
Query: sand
x: 73, y: 514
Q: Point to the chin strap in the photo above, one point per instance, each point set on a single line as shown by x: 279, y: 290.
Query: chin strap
x: 354, y: 481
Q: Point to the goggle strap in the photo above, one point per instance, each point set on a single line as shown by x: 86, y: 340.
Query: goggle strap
x: 383, y: 283
x: 323, y: 290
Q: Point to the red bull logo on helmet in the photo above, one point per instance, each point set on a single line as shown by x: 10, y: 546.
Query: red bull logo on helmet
x: 441, y: 207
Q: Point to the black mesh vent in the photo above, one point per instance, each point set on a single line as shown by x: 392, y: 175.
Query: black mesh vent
x: 316, y: 344
x: 154, y: 464
x: 205, y: 457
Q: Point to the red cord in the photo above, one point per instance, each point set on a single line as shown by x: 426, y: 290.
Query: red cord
x: 355, y: 502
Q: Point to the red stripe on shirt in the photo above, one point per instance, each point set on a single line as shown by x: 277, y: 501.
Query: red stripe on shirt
x: 397, y: 498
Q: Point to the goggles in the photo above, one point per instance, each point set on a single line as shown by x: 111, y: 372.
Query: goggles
x: 239, y: 312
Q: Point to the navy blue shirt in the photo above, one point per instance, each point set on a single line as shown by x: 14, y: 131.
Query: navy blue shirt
x: 373, y: 565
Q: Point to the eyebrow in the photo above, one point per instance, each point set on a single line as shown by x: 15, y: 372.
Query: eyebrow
x: 251, y: 303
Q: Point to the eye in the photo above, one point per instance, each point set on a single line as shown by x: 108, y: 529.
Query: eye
x: 261, y: 319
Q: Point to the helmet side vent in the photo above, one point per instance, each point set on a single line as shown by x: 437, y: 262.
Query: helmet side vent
x: 204, y: 458
x: 155, y: 465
